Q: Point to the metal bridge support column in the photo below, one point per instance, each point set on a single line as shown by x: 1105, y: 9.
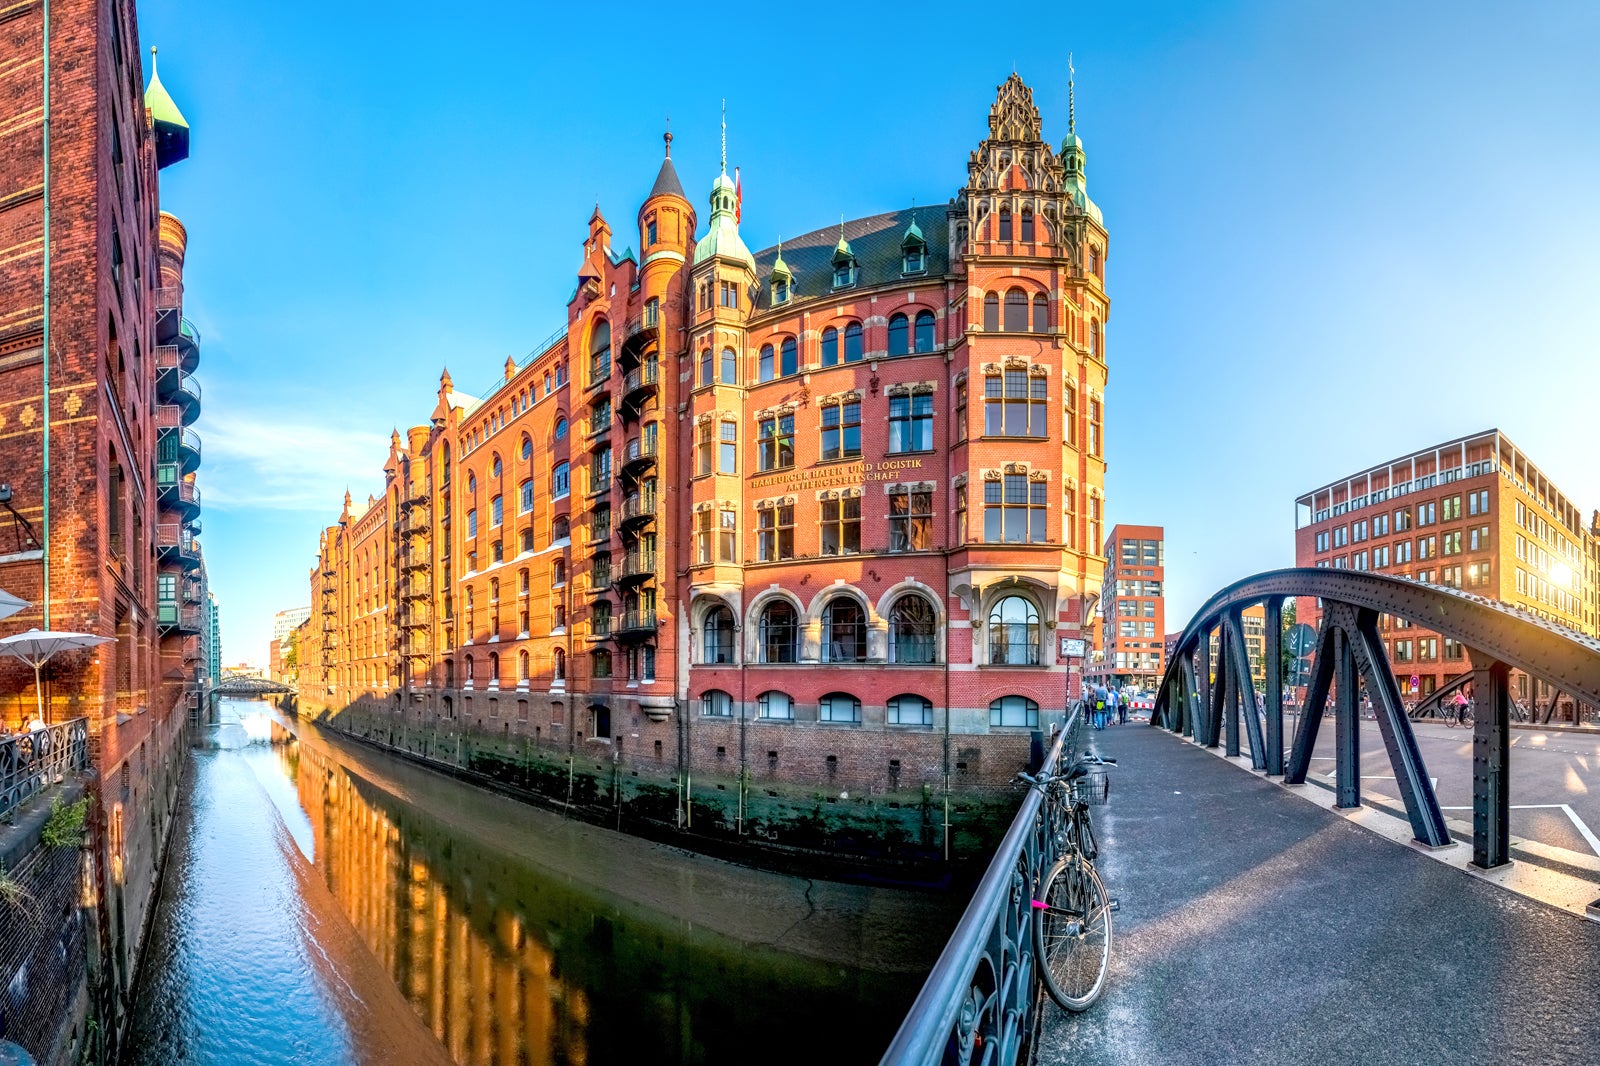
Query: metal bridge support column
x: 1347, y: 724
x: 1203, y: 734
x: 1230, y: 688
x: 1219, y: 689
x: 1491, y: 751
x: 1239, y: 657
x: 1416, y: 789
x: 1273, y: 650
x: 1305, y: 737
x: 1190, y: 688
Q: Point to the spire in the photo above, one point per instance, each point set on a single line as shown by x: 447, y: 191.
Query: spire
x: 722, y: 238
x: 667, y: 183
x: 1072, y: 105
x: 780, y: 269
x: 166, y: 121
x: 724, y: 136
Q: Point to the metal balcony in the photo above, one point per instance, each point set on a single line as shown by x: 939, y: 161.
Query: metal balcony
x: 640, y: 508
x: 636, y: 623
x: 640, y: 456
x: 173, y: 543
x: 169, y: 312
x: 636, y: 566
x: 185, y: 450
x: 640, y: 328
x: 172, y: 618
x: 188, y: 346
x: 420, y: 491
x: 639, y: 384
x: 175, y: 493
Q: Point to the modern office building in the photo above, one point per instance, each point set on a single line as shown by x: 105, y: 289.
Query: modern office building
x: 803, y: 511
x: 1473, y: 513
x: 1131, y: 650
x: 97, y: 397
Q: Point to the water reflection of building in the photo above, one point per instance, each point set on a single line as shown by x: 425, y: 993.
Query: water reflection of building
x: 508, y: 964
x: 807, y: 512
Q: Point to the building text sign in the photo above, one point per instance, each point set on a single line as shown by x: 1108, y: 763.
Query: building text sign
x: 846, y: 474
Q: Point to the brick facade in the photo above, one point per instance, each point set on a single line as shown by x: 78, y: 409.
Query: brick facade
x: 826, y: 512
x: 1133, y: 611
x: 116, y: 551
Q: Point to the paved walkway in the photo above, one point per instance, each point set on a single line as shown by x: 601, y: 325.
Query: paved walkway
x: 1256, y: 927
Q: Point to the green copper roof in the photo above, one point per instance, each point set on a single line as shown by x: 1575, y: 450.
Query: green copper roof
x: 167, y: 122
x: 913, y: 235
x: 842, y: 249
x: 780, y: 269
x: 723, y: 237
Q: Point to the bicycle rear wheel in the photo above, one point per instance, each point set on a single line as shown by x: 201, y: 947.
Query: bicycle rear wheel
x: 1072, y: 933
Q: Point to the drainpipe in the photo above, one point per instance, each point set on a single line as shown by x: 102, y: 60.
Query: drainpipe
x: 45, y: 362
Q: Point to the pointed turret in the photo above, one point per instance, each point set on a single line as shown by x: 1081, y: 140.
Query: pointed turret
x: 722, y: 239
x: 667, y: 183
x: 170, y: 128
x: 1073, y: 160
x: 844, y: 261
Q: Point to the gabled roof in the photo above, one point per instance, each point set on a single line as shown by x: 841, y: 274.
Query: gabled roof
x: 874, y: 242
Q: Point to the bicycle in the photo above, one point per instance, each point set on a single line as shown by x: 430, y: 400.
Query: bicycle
x: 1072, y: 910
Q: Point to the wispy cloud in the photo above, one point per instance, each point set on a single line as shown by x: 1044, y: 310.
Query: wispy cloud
x: 260, y: 459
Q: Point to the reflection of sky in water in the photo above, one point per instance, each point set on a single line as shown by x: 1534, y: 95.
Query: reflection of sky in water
x: 249, y: 730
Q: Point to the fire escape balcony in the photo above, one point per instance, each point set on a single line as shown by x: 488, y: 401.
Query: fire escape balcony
x: 639, y: 384
x: 173, y: 619
x: 420, y: 491
x: 169, y: 313
x: 636, y: 623
x: 636, y: 566
x: 599, y: 433
x: 174, y: 543
x: 185, y: 450
x: 175, y: 387
x: 188, y: 343
x: 640, y: 329
x: 176, y: 494
x: 638, y: 509
x: 639, y: 457
x: 193, y: 593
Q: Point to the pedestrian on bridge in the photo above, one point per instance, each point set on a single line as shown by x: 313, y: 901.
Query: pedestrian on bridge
x: 1099, y: 715
x: 1122, y: 710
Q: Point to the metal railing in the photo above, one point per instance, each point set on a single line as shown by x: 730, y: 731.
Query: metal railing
x: 637, y: 620
x: 638, y: 507
x: 32, y: 762
x: 637, y: 564
x: 639, y: 377
x: 170, y: 296
x: 979, y: 1002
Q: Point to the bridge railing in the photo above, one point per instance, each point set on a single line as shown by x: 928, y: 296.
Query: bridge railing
x: 31, y: 762
x: 978, y: 1002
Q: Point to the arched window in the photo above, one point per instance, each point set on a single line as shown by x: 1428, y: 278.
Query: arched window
x: 1014, y: 632
x: 765, y: 370
x: 444, y: 465
x: 525, y: 497
x: 558, y: 617
x: 830, y: 346
x: 600, y: 352
x: 1094, y: 337
x: 779, y: 632
x: 1016, y: 311
x: 495, y: 468
x: 558, y: 666
x: 991, y: 313
x: 716, y: 703
x: 910, y: 710
x: 844, y: 632
x: 1005, y: 223
x: 527, y: 448
x: 705, y: 367
x: 522, y: 666
x: 449, y: 673
x: 774, y: 705
x: 789, y: 363
x: 494, y: 669
x: 558, y: 572
x: 730, y: 367
x: 912, y: 629
x: 1041, y: 313
x: 600, y: 663
x: 717, y: 636
x: 472, y: 484
x: 560, y: 481
x: 466, y: 667
x: 924, y: 332
x: 852, y: 343
x: 1094, y: 261
x: 1014, y: 711
x: 1027, y: 224
x: 839, y: 707
x: 899, y: 335
x: 561, y: 528
x: 561, y: 428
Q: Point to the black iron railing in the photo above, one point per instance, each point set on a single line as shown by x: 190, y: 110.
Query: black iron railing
x: 32, y: 762
x: 979, y: 1002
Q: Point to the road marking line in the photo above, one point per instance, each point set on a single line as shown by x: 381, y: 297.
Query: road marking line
x: 1583, y: 829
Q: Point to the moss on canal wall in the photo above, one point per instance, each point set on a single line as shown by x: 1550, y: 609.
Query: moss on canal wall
x: 895, y: 837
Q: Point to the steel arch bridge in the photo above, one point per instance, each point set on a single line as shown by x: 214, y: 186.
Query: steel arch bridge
x: 240, y: 685
x: 1349, y: 655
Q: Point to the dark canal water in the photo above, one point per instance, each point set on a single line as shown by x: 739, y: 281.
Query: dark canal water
x: 325, y: 903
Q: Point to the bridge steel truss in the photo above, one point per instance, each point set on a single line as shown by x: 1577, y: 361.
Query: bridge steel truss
x: 1349, y: 654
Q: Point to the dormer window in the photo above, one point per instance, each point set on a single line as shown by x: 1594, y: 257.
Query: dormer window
x: 780, y: 290
x: 913, y: 263
x: 844, y: 273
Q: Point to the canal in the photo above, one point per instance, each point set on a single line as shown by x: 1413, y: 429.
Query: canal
x: 327, y: 903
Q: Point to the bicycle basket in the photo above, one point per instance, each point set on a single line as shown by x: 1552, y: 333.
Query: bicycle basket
x: 1092, y: 788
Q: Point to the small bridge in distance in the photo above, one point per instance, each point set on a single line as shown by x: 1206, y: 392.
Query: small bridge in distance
x: 243, y: 686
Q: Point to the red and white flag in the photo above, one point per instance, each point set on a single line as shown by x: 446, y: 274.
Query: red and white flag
x: 738, y: 198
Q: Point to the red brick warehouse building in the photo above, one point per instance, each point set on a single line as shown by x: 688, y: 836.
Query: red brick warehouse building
x: 827, y: 511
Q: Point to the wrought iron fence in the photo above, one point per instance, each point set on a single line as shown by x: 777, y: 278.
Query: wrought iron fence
x: 31, y: 762
x: 979, y: 1002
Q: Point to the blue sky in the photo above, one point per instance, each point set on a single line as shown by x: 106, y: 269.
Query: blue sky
x: 1339, y: 231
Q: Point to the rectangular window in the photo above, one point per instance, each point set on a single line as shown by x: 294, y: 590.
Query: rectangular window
x: 1380, y: 558
x: 961, y: 514
x: 1095, y: 441
x: 702, y: 448
x: 1402, y: 551
x: 1402, y: 520
x: 911, y: 521
x: 1014, y: 510
x: 775, y: 533
x: 525, y: 497
x: 911, y: 423
x: 728, y: 541
x: 728, y: 449
x: 1451, y: 576
x: 472, y: 523
x: 841, y: 430
x: 1427, y: 547
x: 1478, y: 502
x: 1380, y: 526
x: 1452, y: 542
x: 1322, y: 541
x: 1479, y: 539
x: 728, y: 291
x: 1427, y: 513
x: 1358, y: 531
x: 1341, y: 536
x: 776, y: 445
x: 841, y: 526
x: 1452, y: 649
x: 1014, y: 405
x: 496, y: 512
x: 702, y: 536
x: 1069, y: 524
x: 1070, y: 418
x: 730, y: 367
x: 600, y: 471
x: 961, y: 411
x: 1452, y: 507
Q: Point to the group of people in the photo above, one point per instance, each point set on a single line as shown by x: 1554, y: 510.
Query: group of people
x: 1106, y: 704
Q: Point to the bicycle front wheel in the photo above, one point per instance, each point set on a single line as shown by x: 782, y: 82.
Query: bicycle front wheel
x: 1072, y: 933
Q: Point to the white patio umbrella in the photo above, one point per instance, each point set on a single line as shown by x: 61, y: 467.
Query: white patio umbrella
x: 36, y: 646
x: 10, y: 605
